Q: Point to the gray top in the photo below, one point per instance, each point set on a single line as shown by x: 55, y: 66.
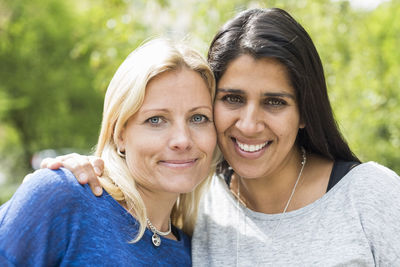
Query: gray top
x: 356, y: 223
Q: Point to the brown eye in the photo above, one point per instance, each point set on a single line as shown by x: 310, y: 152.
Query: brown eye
x: 275, y: 102
x: 232, y: 99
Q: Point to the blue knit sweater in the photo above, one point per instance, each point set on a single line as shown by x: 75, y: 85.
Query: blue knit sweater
x: 52, y: 220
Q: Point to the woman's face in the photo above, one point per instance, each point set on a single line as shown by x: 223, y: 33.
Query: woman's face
x: 170, y: 141
x: 256, y: 116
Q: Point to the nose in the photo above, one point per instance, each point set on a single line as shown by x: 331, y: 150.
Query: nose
x: 181, y: 138
x: 250, y: 121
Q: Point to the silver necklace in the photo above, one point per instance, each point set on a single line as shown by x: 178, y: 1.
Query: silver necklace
x: 156, y: 233
x: 239, y: 200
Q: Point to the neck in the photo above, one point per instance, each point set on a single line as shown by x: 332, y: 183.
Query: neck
x: 270, y: 194
x: 158, y: 207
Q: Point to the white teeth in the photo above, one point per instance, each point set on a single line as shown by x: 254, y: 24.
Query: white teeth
x: 251, y: 148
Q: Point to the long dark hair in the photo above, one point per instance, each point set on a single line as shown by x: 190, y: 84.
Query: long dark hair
x: 273, y: 33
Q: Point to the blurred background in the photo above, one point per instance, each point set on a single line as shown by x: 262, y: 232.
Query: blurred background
x: 57, y: 58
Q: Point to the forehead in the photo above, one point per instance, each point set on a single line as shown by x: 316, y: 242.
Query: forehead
x: 250, y: 74
x: 170, y: 87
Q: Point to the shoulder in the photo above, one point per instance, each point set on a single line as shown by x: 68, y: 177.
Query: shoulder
x: 375, y: 167
x: 47, y: 189
x: 376, y: 197
x: 47, y: 196
x: 372, y: 186
x: 46, y: 180
x: 47, y: 177
x: 46, y: 211
x: 372, y: 173
x: 367, y: 189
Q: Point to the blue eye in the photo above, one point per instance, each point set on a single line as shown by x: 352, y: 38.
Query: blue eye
x: 154, y: 120
x: 198, y: 118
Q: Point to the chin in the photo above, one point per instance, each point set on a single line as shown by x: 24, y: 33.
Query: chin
x: 183, y: 187
x: 247, y: 175
x: 248, y: 172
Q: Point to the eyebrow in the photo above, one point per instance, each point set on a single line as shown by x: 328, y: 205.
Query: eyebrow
x: 200, y: 107
x: 242, y: 92
x: 226, y: 90
x: 165, y: 110
x: 280, y: 95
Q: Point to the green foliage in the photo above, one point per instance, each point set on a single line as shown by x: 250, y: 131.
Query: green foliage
x: 49, y: 93
x: 6, y: 192
x: 367, y: 99
x: 57, y: 58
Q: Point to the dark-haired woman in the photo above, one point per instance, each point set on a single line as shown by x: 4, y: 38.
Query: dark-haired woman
x: 289, y: 191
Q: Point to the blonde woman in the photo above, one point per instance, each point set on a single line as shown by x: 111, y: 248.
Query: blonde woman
x: 157, y: 141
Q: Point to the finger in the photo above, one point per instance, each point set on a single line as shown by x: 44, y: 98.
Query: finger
x: 98, y: 165
x: 45, y: 162
x: 76, y: 166
x: 55, y: 164
x: 69, y: 156
x: 83, y: 170
x: 94, y: 170
x: 58, y: 161
x: 51, y: 163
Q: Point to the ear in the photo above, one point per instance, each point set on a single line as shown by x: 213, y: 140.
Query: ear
x: 302, y: 124
x: 121, y: 140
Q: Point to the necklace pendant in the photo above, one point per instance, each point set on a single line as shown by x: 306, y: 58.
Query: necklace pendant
x: 156, y: 240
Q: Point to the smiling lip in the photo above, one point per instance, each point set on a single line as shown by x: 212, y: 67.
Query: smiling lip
x: 251, y: 151
x: 178, y: 164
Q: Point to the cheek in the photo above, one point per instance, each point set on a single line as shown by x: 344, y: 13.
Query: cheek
x: 286, y: 128
x: 134, y: 151
x: 222, y: 118
x: 206, y: 139
x: 141, y: 145
x: 140, y: 158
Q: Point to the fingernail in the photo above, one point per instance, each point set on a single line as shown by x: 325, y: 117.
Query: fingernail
x: 97, y: 171
x: 82, y: 177
x: 98, y: 190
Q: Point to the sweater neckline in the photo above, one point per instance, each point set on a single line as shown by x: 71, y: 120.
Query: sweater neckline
x: 134, y: 222
x: 294, y: 213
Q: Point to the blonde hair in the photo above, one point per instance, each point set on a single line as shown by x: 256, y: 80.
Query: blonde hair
x: 124, y: 97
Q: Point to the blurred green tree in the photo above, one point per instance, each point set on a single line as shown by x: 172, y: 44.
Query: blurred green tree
x: 57, y: 58
x: 51, y: 101
x: 365, y: 83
